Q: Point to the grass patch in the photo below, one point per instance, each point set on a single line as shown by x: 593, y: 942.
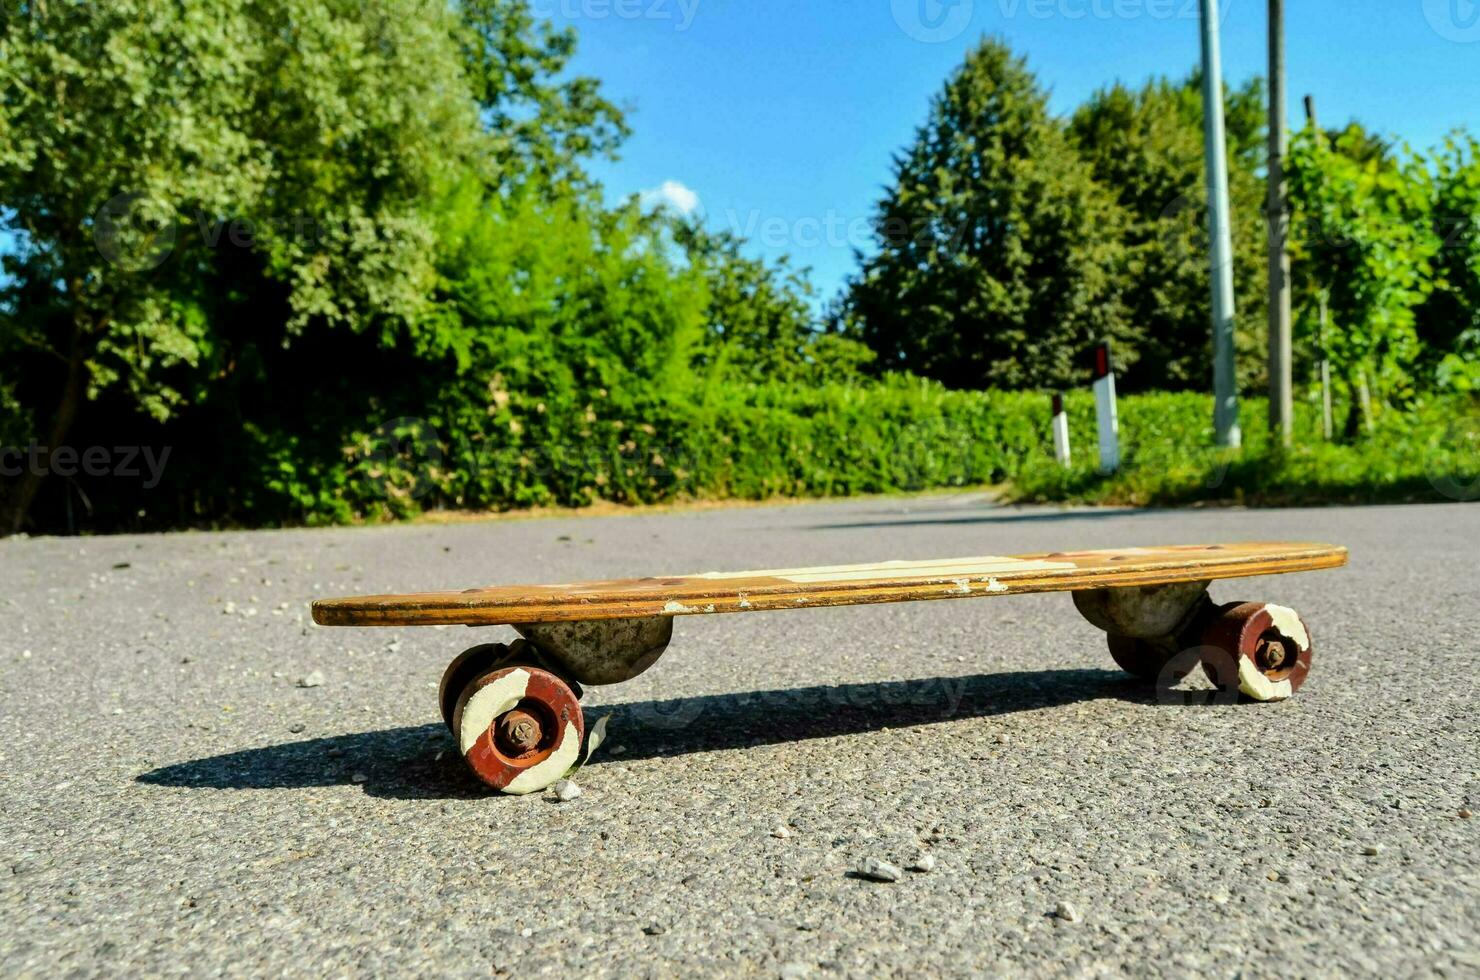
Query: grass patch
x: 1428, y: 453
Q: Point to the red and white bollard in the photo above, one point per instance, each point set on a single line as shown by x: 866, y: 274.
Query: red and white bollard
x: 1060, y: 431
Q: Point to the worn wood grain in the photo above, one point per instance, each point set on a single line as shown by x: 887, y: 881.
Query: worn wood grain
x: 795, y: 588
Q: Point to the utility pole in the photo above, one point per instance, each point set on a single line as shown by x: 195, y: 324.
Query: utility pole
x: 1281, y: 395
x: 1225, y: 383
x: 1327, y: 427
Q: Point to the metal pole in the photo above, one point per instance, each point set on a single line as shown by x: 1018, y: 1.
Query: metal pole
x: 1281, y: 394
x: 1225, y: 385
x: 1327, y: 426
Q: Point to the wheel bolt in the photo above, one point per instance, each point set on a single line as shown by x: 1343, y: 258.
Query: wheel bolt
x: 518, y: 732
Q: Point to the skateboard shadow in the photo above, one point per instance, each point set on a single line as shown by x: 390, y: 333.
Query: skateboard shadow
x: 993, y: 517
x: 421, y: 761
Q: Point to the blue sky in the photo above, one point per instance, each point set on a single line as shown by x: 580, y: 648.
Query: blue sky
x: 778, y: 119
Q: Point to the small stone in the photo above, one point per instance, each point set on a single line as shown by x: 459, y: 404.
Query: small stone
x: 875, y: 869
x: 923, y: 862
x: 296, y: 728
x: 1066, y: 912
x: 359, y: 777
x: 1465, y: 813
x: 1372, y: 850
x: 781, y: 831
x: 565, y: 790
x: 652, y: 928
x: 313, y: 679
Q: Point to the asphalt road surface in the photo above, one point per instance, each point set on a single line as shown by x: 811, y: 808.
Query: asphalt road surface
x: 173, y: 802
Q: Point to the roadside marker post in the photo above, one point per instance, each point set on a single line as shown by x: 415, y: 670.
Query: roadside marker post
x: 1060, y: 431
x: 1105, y: 414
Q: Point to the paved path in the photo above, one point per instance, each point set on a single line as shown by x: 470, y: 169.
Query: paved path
x: 171, y: 800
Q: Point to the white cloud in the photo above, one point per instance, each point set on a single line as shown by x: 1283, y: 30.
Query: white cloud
x: 671, y: 194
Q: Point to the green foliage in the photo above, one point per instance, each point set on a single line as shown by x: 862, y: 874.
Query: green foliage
x: 1169, y: 457
x: 1364, y: 235
x: 543, y: 122
x: 758, y: 324
x: 345, y: 260
x: 1449, y: 322
x: 1146, y: 149
x: 997, y: 249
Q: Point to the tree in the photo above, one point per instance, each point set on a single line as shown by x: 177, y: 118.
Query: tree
x: 758, y: 323
x: 1364, y: 238
x: 1146, y: 149
x: 997, y: 250
x: 193, y: 184
x: 1449, y: 322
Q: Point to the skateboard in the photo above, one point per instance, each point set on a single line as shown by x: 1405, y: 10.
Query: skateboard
x: 514, y: 709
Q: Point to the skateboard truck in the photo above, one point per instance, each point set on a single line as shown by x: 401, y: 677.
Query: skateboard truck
x: 602, y: 651
x: 515, y: 711
x: 1262, y: 648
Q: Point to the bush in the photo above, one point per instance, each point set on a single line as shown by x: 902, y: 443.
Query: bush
x: 1431, y: 452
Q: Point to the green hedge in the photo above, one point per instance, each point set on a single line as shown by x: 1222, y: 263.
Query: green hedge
x: 1429, y: 451
x: 760, y: 441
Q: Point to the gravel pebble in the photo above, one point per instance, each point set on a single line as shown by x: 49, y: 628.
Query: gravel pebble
x: 312, y: 679
x: 1067, y: 912
x: 653, y: 928
x: 781, y: 830
x: 565, y: 790
x: 876, y: 869
x: 925, y: 861
x: 296, y: 728
x: 1372, y: 850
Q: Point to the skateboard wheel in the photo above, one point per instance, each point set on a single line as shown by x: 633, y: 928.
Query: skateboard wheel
x: 464, y: 667
x: 519, y: 728
x: 1268, y: 644
x: 1139, y: 658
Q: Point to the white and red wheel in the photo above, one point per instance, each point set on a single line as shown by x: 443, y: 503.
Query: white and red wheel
x: 1267, y: 650
x: 518, y: 727
x: 460, y: 673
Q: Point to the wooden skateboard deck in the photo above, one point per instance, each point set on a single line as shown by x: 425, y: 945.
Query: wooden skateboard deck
x: 837, y: 585
x: 515, y: 711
